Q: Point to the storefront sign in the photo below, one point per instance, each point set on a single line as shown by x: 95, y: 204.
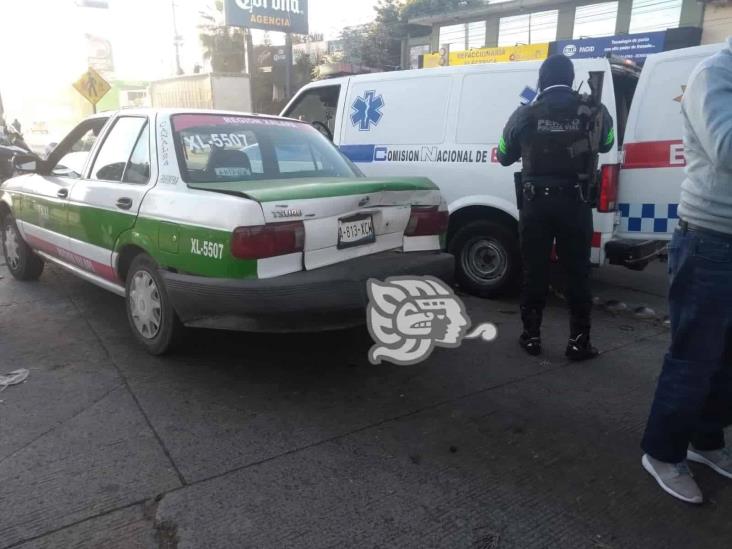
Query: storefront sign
x: 491, y: 55
x: 635, y: 47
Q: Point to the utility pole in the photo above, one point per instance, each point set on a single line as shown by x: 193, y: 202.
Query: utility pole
x: 176, y: 41
x: 288, y: 66
x: 251, y: 64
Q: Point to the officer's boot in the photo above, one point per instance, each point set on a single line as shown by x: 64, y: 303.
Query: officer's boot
x: 579, y: 346
x: 530, y: 339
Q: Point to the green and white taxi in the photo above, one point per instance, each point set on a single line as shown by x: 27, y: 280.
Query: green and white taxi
x: 218, y: 220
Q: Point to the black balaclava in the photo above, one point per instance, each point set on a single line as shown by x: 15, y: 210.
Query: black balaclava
x: 556, y: 70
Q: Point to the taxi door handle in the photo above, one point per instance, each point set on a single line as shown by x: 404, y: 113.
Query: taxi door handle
x: 124, y: 203
x: 62, y: 193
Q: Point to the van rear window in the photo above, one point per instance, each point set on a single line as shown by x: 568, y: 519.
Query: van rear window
x: 217, y: 148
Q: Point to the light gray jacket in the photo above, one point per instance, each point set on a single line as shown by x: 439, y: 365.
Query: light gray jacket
x: 706, y: 194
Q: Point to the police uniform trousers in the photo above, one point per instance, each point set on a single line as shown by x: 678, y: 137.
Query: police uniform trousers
x: 544, y: 219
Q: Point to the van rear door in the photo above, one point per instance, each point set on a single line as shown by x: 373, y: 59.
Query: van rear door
x: 653, y: 165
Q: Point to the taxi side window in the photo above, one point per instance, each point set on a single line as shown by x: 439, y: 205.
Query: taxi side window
x: 72, y: 163
x: 118, y: 147
x: 69, y: 158
x: 138, y: 168
x: 318, y: 107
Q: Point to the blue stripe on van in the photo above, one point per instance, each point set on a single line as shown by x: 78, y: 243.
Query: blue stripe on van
x: 359, y: 153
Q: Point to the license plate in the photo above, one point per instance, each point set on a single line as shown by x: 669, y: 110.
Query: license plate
x: 355, y: 231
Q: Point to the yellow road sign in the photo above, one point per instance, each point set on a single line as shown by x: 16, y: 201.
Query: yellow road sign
x: 92, y: 86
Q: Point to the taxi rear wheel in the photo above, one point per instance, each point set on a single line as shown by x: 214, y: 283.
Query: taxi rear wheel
x: 149, y: 311
x: 21, y: 261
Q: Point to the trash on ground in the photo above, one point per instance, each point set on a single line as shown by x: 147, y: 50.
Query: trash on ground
x: 13, y: 378
x: 615, y: 306
x: 644, y: 312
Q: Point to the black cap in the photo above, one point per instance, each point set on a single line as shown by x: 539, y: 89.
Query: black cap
x: 556, y: 70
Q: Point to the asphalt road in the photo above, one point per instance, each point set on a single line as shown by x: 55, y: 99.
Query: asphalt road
x: 297, y: 441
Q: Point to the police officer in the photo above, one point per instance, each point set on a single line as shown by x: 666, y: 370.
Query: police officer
x: 552, y: 136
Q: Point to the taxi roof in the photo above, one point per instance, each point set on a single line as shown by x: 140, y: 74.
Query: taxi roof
x: 168, y: 111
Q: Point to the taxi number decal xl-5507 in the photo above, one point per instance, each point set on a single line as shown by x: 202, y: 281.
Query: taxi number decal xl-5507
x: 207, y: 249
x: 220, y: 140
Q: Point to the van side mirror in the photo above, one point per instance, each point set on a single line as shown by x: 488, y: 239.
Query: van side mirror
x: 25, y: 163
x: 322, y: 128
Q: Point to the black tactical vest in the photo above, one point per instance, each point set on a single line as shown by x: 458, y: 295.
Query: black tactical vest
x: 552, y: 137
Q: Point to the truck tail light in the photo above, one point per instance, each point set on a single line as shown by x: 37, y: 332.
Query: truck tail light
x: 608, y: 188
x: 426, y: 222
x: 268, y: 240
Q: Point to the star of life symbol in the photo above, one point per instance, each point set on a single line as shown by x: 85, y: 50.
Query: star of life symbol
x: 367, y: 110
x: 409, y: 316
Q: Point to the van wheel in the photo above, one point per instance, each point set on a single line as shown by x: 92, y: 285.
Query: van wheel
x: 487, y: 257
x: 149, y: 311
x: 21, y: 261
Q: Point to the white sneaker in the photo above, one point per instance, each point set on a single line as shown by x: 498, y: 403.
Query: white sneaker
x: 719, y: 460
x: 674, y: 478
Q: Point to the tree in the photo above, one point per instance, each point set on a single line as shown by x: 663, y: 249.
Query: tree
x: 377, y: 44
x: 388, y: 30
x: 358, y: 46
x: 223, y: 46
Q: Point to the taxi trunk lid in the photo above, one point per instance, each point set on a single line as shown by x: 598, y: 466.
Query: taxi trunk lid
x: 344, y: 218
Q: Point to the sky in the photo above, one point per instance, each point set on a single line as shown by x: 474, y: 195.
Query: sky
x: 141, y: 31
x: 49, y: 52
x: 45, y: 50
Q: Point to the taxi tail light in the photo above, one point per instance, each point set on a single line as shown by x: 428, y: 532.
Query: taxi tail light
x: 269, y: 240
x: 427, y: 222
x: 607, y: 201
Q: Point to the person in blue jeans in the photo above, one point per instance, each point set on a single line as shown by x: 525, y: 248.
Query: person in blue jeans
x: 693, y: 401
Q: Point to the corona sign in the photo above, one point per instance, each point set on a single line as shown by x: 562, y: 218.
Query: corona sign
x: 290, y: 16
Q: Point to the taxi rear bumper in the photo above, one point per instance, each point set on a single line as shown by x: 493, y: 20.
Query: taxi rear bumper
x: 322, y: 299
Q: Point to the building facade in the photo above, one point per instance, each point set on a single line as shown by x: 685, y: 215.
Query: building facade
x: 506, y: 23
x: 717, y: 21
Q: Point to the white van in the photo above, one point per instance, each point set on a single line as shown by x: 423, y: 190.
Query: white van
x: 445, y: 124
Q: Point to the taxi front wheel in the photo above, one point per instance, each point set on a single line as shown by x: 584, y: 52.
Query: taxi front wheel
x: 149, y: 311
x: 21, y: 261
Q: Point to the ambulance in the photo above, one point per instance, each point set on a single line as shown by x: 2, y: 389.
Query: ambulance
x: 445, y: 123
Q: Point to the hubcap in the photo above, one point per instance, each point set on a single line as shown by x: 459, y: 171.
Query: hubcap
x: 12, y: 247
x: 145, y: 306
x: 484, y: 260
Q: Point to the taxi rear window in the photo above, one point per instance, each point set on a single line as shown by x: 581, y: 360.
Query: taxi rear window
x: 218, y: 148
